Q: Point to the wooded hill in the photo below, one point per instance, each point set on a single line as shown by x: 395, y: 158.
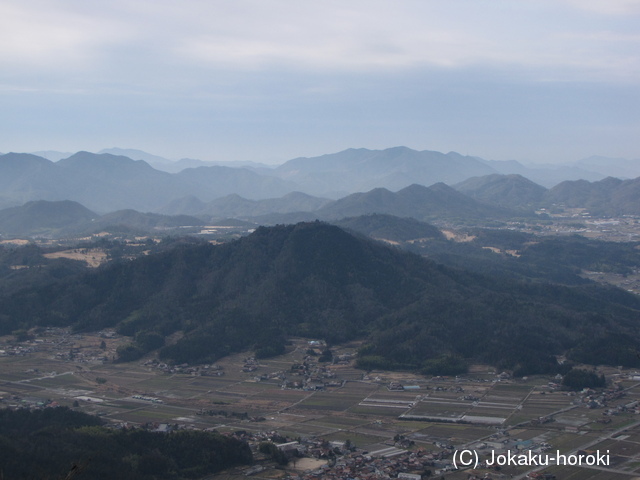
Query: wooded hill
x: 56, y: 443
x: 315, y: 280
x: 500, y: 252
x: 607, y: 197
x: 63, y: 218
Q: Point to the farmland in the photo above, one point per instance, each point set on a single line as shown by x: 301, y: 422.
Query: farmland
x: 372, y: 410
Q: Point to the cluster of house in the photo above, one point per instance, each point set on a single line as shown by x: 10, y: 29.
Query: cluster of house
x: 147, y: 398
x: 79, y: 355
x: 29, y: 402
x: 309, y: 375
x: 339, y: 459
x: 60, y: 341
x: 250, y: 365
x: 401, y: 464
x: 186, y: 369
x: 630, y: 407
x: 590, y: 398
x: 16, y: 350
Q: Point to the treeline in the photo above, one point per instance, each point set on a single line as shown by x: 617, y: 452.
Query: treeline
x: 57, y: 443
x: 578, y: 378
x: 26, y: 267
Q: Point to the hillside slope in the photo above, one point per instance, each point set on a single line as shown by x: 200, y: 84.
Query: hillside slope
x: 316, y: 280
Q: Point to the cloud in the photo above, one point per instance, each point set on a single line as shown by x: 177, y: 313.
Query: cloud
x: 48, y: 36
x: 366, y: 72
x: 608, y: 7
x: 367, y: 36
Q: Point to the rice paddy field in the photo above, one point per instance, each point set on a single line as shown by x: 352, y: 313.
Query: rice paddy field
x: 366, y: 408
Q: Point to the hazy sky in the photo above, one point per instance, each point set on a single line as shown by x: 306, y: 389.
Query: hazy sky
x: 532, y: 80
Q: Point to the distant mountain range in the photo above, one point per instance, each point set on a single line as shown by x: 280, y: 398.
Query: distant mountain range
x: 236, y: 206
x: 611, y: 167
x: 438, y: 201
x: 57, y: 219
x: 358, y: 170
x: 508, y: 191
x: 106, y: 182
x: 166, y: 165
x: 609, y: 196
x: 476, y: 200
x: 417, y: 201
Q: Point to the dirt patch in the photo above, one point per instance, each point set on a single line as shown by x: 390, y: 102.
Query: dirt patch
x: 93, y: 256
x: 458, y: 237
x: 513, y: 253
x: 390, y: 242
x: 304, y: 464
x: 17, y: 241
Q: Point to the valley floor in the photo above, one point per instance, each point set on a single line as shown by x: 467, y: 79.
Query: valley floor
x: 404, y: 422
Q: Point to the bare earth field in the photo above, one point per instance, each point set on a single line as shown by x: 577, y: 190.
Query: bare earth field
x: 94, y: 257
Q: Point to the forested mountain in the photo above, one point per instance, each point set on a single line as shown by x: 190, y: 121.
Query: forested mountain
x: 317, y: 281
x: 118, y: 182
x: 417, y: 201
x: 357, y: 170
x: 25, y: 177
x: 27, y: 267
x: 135, y: 154
x: 395, y: 168
x: 40, y: 216
x: 391, y: 229
x: 235, y: 206
x: 610, y: 196
x: 505, y: 253
x: 217, y: 181
x: 436, y: 202
x: 63, y: 218
x: 510, y: 191
x: 546, y: 175
x: 105, y: 182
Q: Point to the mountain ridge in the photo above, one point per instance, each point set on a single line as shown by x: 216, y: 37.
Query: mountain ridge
x: 106, y: 182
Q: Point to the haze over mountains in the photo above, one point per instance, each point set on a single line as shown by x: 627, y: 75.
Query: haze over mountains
x: 106, y: 182
x: 397, y: 181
